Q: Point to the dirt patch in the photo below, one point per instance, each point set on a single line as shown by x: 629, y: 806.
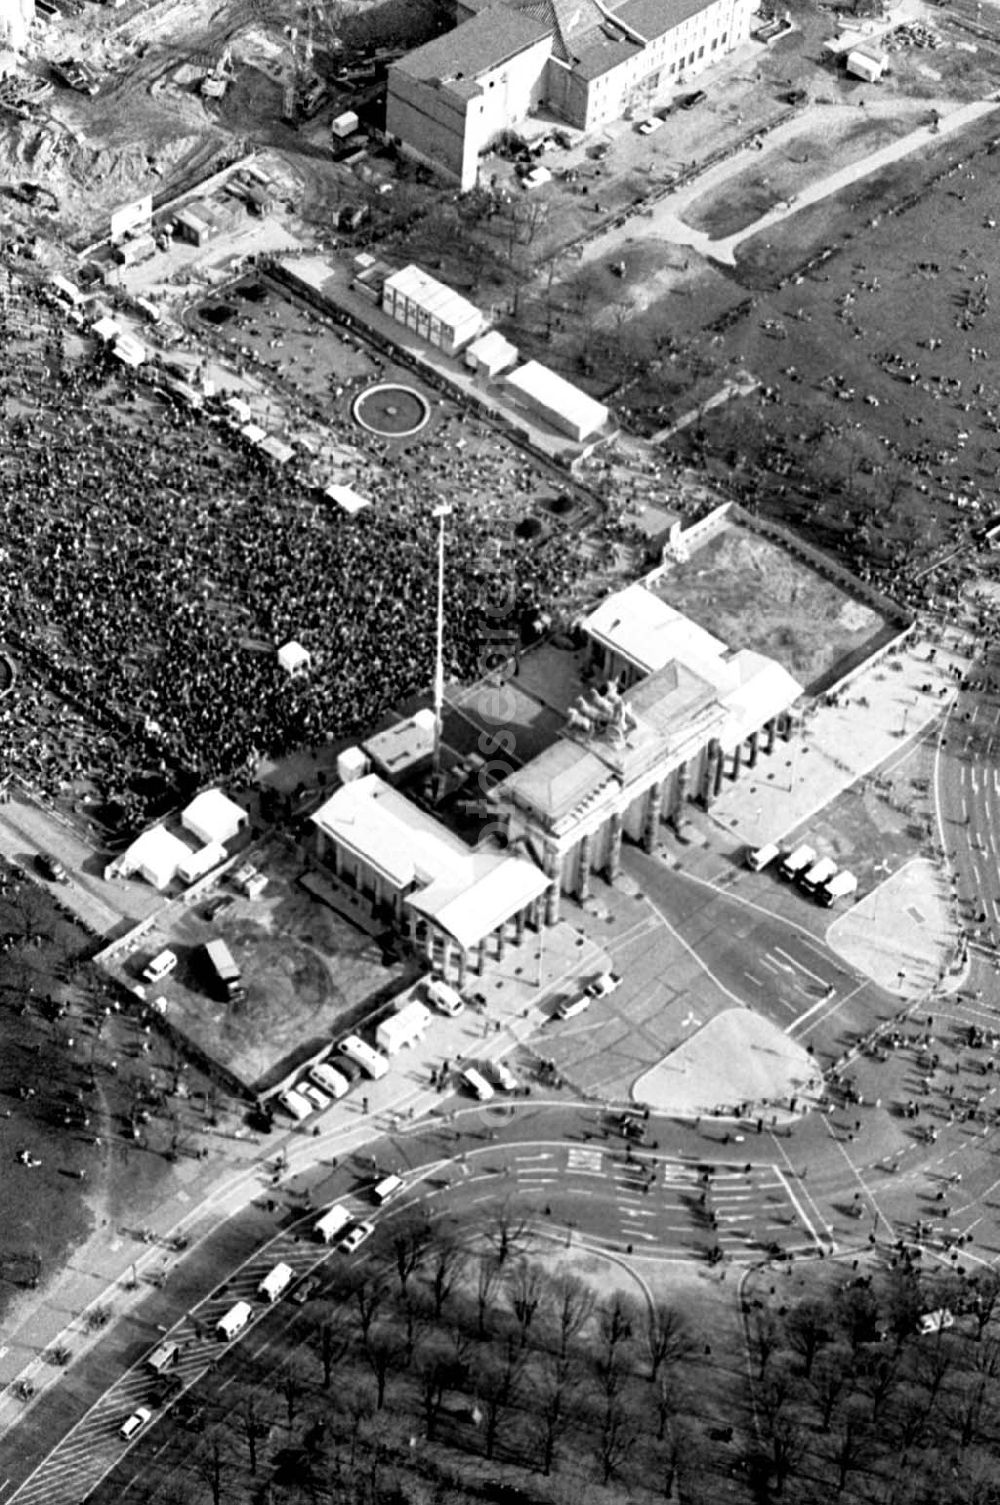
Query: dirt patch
x: 753, y: 594
x: 802, y: 160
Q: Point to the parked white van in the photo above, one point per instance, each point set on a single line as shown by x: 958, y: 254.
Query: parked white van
x: 758, y: 858
x: 444, y: 997
x: 821, y: 872
x: 234, y: 1321
x: 160, y: 967
x: 275, y: 1282
x: 295, y: 1103
x: 387, y: 1188
x: 334, y: 1221
x: 797, y: 862
x: 329, y: 1079
x: 372, y: 1061
x: 840, y: 887
x: 477, y: 1084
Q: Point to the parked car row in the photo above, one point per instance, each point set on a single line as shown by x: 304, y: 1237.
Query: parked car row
x: 818, y: 877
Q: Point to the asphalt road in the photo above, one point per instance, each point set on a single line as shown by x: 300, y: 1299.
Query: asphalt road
x: 27, y: 828
x: 968, y: 794
x: 780, y: 969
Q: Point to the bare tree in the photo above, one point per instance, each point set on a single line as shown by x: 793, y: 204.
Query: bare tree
x: 854, y: 1440
x: 857, y: 1315
x: 435, y: 1375
x: 766, y: 1337
x: 573, y: 1305
x: 447, y: 1262
x: 879, y: 1371
x: 618, y: 1433
x: 808, y: 1327
x: 409, y: 1245
x: 498, y: 1386
x: 987, y: 1288
x: 508, y: 1233
x: 360, y: 1407
x: 382, y: 1350
x: 526, y: 1287
x: 488, y: 1275
x: 833, y: 1372
x: 253, y: 1421
x: 554, y: 1395
x: 210, y: 1462
x: 291, y: 1388
x: 974, y: 1393
x: 667, y: 1337
x: 416, y: 1317
x: 330, y: 1333
x: 369, y: 1293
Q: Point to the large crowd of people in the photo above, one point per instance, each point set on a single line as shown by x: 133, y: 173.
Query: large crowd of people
x: 150, y: 568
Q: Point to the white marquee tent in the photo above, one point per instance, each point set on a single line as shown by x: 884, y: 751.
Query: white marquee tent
x: 212, y: 816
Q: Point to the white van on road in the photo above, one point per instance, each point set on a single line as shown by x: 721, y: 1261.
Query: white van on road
x: 371, y: 1061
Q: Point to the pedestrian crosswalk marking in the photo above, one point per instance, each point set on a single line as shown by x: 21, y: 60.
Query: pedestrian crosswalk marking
x: 585, y: 1160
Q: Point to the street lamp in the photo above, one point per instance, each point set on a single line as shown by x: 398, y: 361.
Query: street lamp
x: 441, y: 512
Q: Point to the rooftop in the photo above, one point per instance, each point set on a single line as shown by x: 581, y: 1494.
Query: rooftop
x: 642, y: 628
x: 654, y: 18
x: 487, y: 40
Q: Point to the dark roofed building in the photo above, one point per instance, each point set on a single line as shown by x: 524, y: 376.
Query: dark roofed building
x: 589, y: 62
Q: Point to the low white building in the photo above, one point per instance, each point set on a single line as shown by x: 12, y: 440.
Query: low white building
x: 455, y: 901
x: 435, y: 312
x: 553, y: 399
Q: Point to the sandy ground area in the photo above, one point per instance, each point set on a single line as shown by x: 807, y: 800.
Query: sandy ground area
x: 736, y: 1060
x: 899, y: 933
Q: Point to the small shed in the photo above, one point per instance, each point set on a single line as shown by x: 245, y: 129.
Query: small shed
x: 213, y: 816
x: 866, y: 64
x: 404, y: 1028
x: 294, y: 659
x: 238, y: 410
x: 106, y: 329
x: 278, y: 450
x: 491, y: 354
x: 351, y: 764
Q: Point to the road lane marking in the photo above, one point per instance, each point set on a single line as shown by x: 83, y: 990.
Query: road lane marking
x: 585, y: 1160
x: 800, y: 1210
x: 802, y: 968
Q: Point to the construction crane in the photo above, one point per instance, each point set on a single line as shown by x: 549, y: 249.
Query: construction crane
x: 304, y: 91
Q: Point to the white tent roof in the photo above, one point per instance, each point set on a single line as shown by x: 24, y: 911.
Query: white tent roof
x: 641, y: 627
x: 213, y: 816
x: 157, y: 854
x: 240, y: 410
x: 549, y: 390
x: 253, y: 433
x: 349, y: 500
x: 277, y: 449
x: 129, y: 351
x: 293, y: 657
x: 106, y: 328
